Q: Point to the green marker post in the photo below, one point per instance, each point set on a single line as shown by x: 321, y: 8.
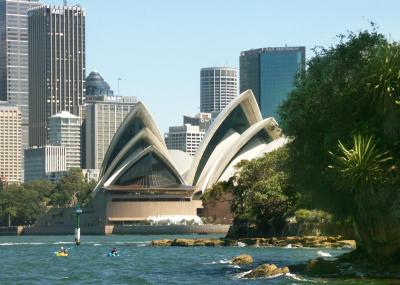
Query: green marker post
x: 78, y: 212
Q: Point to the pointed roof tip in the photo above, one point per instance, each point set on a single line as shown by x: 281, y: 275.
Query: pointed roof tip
x: 139, y: 111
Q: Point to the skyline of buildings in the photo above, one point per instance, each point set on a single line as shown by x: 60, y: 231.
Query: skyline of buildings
x: 57, y: 66
x: 218, y: 87
x: 14, y: 85
x: 47, y: 46
x: 270, y: 73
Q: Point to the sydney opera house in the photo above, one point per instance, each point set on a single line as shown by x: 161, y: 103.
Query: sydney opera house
x: 141, y: 178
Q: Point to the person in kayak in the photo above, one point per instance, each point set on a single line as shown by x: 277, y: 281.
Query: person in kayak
x: 114, y: 251
x: 63, y: 250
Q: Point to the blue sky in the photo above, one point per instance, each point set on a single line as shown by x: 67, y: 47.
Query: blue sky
x: 158, y: 47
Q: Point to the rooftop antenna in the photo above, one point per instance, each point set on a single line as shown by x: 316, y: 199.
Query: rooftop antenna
x: 65, y: 2
x: 119, y: 79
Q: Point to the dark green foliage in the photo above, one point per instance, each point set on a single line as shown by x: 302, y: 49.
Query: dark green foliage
x: 313, y: 216
x: 217, y: 191
x: 342, y: 93
x: 361, y: 166
x: 261, y: 195
x: 23, y: 204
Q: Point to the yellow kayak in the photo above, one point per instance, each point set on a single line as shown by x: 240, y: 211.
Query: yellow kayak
x: 58, y: 253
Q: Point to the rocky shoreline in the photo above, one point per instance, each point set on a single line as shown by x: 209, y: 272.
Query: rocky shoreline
x: 349, y: 265
x: 293, y: 241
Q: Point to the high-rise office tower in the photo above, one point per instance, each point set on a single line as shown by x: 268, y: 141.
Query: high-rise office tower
x: 65, y: 130
x: 10, y: 144
x: 218, y: 87
x: 270, y: 73
x: 14, y: 57
x: 56, y: 66
x: 103, y: 119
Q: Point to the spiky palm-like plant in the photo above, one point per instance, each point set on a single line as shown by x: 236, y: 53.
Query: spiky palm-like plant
x: 360, y: 166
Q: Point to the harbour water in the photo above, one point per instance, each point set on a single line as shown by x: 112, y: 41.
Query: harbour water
x: 31, y: 260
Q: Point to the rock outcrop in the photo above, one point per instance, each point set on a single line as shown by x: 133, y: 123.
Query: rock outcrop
x: 322, y: 267
x: 294, y: 241
x: 242, y: 259
x: 196, y: 242
x: 161, y: 242
x: 266, y: 270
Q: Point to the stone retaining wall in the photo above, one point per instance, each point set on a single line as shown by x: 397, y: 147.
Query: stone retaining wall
x: 156, y: 230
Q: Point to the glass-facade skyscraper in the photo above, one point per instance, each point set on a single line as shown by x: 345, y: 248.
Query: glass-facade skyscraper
x: 14, y: 57
x: 270, y: 73
x: 56, y: 66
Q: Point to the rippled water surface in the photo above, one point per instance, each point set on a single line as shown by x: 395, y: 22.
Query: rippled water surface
x: 31, y: 260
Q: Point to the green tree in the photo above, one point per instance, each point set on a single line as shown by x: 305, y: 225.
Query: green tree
x: 44, y: 188
x: 261, y: 195
x: 68, y: 188
x: 11, y: 212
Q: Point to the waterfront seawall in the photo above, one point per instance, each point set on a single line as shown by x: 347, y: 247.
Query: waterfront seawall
x: 117, y: 230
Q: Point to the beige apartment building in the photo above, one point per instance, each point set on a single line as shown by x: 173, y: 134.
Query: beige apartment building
x: 103, y: 119
x: 10, y: 144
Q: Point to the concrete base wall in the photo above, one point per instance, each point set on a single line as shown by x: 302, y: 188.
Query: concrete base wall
x: 124, y: 230
x: 63, y: 230
x: 141, y: 210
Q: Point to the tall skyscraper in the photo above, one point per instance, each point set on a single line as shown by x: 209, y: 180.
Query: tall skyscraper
x: 14, y: 57
x: 65, y: 130
x: 270, y: 73
x: 103, y: 119
x: 10, y: 144
x: 218, y: 87
x: 56, y: 66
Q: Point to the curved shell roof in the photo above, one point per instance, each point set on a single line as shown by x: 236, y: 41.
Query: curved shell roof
x: 134, y: 122
x: 138, y: 137
x: 149, y: 150
x: 268, y: 126
x: 243, y: 111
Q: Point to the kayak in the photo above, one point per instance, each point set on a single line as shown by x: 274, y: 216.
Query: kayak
x: 112, y: 254
x: 58, y: 253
